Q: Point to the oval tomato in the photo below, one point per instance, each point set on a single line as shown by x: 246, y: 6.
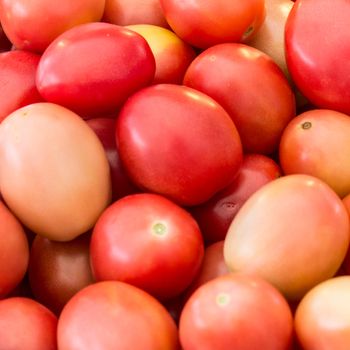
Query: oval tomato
x: 54, y: 173
x: 178, y: 142
x: 148, y: 241
x: 92, y: 68
x: 285, y: 231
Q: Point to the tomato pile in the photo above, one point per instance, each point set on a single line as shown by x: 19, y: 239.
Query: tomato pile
x: 175, y: 175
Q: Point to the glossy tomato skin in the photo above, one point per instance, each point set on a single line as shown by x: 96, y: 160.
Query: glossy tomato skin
x: 58, y: 270
x: 26, y: 324
x: 178, y: 142
x: 252, y: 89
x: 51, y: 159
x: 215, y: 215
x: 28, y: 29
x: 116, y: 63
x: 285, y: 231
x: 315, y: 30
x: 204, y: 24
x: 17, y: 79
x: 14, y: 251
x: 109, y: 315
x: 322, y: 318
x: 148, y: 241
x: 236, y: 312
x: 317, y: 143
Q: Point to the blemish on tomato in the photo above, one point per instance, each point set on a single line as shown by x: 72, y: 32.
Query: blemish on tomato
x: 306, y: 125
x: 222, y: 299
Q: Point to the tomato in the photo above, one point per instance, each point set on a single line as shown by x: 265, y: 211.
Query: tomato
x: 317, y: 50
x: 148, y: 241
x: 116, y: 62
x: 178, y: 142
x: 203, y: 24
x: 27, y: 325
x: 58, y: 270
x: 33, y: 24
x: 17, y: 80
x: 285, y: 231
x: 252, y: 89
x: 236, y: 312
x: 14, y: 251
x: 114, y: 315
x: 126, y: 12
x: 54, y: 174
x: 215, y: 215
x: 172, y: 55
x: 322, y: 318
x: 317, y: 143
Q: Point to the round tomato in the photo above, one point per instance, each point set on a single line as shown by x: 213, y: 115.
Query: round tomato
x: 206, y: 23
x: 114, y: 315
x: 178, y: 142
x: 148, y: 241
x: 92, y: 68
x: 54, y: 173
x: 285, y: 232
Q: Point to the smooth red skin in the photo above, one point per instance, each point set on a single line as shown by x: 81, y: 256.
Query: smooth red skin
x: 178, y: 142
x: 17, y: 81
x: 251, y: 87
x: 109, y: 315
x: 256, y: 316
x: 116, y: 63
x: 314, y: 32
x: 126, y: 12
x: 58, y: 270
x: 320, y: 150
x: 14, y: 251
x: 105, y: 130
x: 125, y: 246
x: 27, y: 325
x: 215, y: 216
x: 33, y: 24
x: 204, y: 24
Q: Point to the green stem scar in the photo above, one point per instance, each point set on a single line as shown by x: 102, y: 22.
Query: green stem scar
x: 222, y: 299
x: 159, y: 229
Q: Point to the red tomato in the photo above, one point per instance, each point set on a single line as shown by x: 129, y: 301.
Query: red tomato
x: 285, y: 231
x: 236, y: 312
x: 33, y: 24
x: 148, y: 241
x: 178, y: 142
x: 54, y: 174
x: 215, y: 215
x: 94, y: 67
x: 14, y: 251
x: 317, y: 51
x: 207, y: 23
x: 317, y: 143
x: 322, y: 319
x: 252, y: 89
x: 17, y: 81
x: 115, y: 315
x: 27, y: 325
x: 58, y: 270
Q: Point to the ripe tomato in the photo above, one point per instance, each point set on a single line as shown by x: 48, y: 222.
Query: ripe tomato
x: 14, y: 251
x: 178, y: 142
x: 33, y: 24
x: 285, y: 231
x: 236, y: 312
x: 317, y: 143
x: 54, y: 173
x: 27, y: 325
x: 114, y: 315
x: 252, y: 89
x: 317, y: 51
x: 148, y: 241
x: 92, y: 68
x: 206, y: 23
